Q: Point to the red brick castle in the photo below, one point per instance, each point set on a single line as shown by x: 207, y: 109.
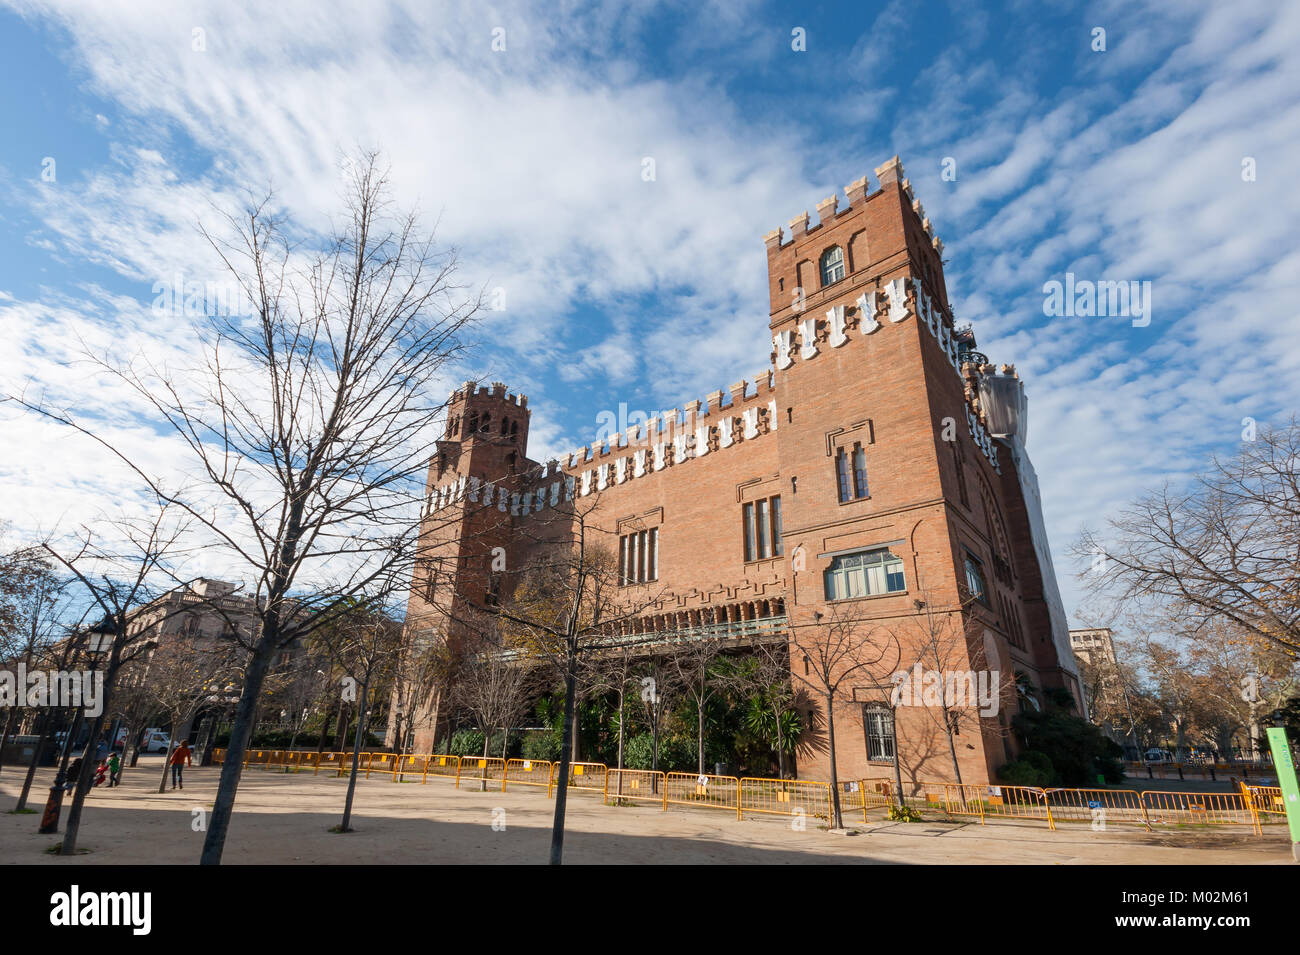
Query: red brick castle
x: 877, y: 466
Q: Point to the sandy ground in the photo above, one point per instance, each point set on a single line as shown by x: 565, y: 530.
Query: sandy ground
x: 285, y: 819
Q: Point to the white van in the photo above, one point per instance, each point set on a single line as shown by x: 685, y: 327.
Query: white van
x: 1158, y: 756
x: 156, y: 742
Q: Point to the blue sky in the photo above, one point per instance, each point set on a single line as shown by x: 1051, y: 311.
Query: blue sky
x: 1122, y: 164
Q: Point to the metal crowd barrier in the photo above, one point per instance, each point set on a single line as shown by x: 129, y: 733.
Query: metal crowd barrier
x: 785, y: 797
x: 635, y: 785
x: 714, y: 792
x: 1253, y: 805
x: 528, y: 772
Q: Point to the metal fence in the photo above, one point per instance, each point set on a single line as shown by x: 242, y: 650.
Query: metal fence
x: 1255, y: 806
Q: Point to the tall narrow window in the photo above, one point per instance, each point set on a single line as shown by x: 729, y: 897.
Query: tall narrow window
x: 832, y: 266
x: 751, y: 552
x: 851, y: 473
x: 842, y: 474
x: 859, y: 471
x: 638, y: 557
x: 776, y: 526
x: 878, y: 724
x: 761, y: 522
x: 975, y: 579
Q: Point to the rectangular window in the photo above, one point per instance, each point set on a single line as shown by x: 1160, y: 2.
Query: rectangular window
x: 762, y: 528
x: 638, y: 557
x: 878, y: 723
x: 842, y: 474
x: 776, y: 526
x: 751, y: 552
x: 851, y: 473
x: 975, y: 579
x: 859, y: 471
x: 864, y: 574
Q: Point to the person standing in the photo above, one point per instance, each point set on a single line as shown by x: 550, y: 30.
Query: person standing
x: 114, y: 770
x: 180, y: 757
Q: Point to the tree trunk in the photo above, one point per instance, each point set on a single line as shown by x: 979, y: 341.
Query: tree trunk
x: 232, y: 767
x: 88, y: 765
x: 898, y: 770
x: 346, y: 825
x: 952, y: 745
x: 566, y: 750
x: 837, y: 817
x: 42, y: 741
x: 780, y: 745
x: 9, y: 724
x: 699, y: 733
x: 167, y: 762
x: 622, y: 697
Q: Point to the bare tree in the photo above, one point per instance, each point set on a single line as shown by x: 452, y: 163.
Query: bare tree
x: 492, y: 684
x: 33, y: 605
x: 1228, y: 547
x: 695, y: 664
x: 179, y: 677
x: 568, y: 604
x: 364, y: 641
x: 830, y: 655
x: 947, y: 672
x: 308, y: 426
x: 118, y: 577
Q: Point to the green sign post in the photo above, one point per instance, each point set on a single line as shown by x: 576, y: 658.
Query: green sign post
x: 1286, y: 779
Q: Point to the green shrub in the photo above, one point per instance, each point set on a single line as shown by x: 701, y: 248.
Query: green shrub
x: 1031, y: 769
x: 675, y: 754
x: 466, y: 743
x: 541, y: 746
x: 904, y: 814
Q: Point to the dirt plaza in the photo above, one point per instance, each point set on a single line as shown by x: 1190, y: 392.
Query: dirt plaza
x: 286, y: 818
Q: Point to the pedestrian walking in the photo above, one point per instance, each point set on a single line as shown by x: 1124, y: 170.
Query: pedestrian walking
x: 114, y: 770
x: 180, y: 757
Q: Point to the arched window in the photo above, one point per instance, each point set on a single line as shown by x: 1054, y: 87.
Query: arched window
x: 505, y: 425
x: 832, y: 265
x: 878, y: 728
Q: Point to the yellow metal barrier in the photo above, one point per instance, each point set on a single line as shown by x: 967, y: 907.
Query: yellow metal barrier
x: 442, y: 766
x: 484, y: 769
x: 382, y: 763
x: 1002, y: 802
x: 713, y: 792
x: 219, y: 756
x: 332, y: 761
x: 1097, y: 805
x: 1173, y: 808
x: 634, y: 785
x: 790, y: 797
x: 583, y: 777
x: 407, y: 764
x: 527, y: 772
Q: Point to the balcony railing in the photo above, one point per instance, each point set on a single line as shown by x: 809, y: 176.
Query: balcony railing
x: 762, y: 629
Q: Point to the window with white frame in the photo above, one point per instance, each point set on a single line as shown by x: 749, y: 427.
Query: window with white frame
x: 832, y: 265
x: 864, y: 574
